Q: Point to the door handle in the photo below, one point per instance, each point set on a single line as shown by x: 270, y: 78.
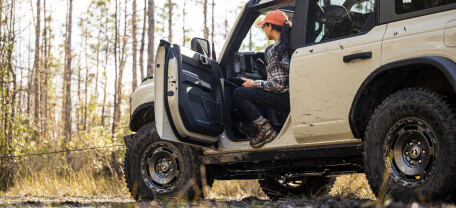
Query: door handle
x: 363, y: 55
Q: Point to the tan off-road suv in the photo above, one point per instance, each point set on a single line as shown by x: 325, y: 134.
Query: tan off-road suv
x: 372, y: 90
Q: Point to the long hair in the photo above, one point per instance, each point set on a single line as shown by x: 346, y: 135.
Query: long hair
x: 285, y: 32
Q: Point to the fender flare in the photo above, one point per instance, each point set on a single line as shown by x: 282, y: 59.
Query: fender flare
x: 135, y: 124
x: 444, y: 65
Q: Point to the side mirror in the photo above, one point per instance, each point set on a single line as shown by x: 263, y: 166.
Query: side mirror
x: 201, y: 46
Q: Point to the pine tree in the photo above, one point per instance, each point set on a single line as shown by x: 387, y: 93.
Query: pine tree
x: 206, y: 29
x: 134, y: 82
x: 36, y: 67
x: 150, y: 34
x: 213, y: 21
x: 170, y: 21
x: 67, y: 79
x: 141, y: 50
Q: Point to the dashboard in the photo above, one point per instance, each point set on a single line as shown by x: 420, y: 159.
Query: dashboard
x: 250, y: 65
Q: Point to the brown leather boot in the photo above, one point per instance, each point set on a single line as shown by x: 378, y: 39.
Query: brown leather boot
x: 248, y: 129
x: 265, y: 133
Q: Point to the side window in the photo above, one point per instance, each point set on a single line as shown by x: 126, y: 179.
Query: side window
x: 330, y: 19
x: 255, y: 39
x: 406, y: 6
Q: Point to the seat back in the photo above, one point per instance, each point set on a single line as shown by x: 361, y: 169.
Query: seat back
x: 337, y: 22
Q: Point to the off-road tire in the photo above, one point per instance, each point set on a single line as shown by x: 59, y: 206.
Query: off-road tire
x: 312, y: 186
x: 142, y: 184
x: 413, y: 131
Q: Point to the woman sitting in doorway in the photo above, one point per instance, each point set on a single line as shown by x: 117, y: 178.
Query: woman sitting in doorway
x: 272, y: 93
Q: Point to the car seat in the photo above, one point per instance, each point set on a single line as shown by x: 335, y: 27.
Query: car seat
x: 337, y: 22
x: 276, y: 117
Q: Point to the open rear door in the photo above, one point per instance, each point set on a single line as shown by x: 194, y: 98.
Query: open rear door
x: 188, y: 95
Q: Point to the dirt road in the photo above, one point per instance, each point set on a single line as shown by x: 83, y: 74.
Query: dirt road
x: 81, y: 201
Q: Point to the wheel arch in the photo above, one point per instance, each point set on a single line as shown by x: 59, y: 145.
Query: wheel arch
x: 142, y: 115
x: 433, y: 72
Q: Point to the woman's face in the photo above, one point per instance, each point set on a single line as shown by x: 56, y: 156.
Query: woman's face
x: 267, y: 28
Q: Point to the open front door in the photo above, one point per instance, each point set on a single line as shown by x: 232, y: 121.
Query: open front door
x: 188, y: 91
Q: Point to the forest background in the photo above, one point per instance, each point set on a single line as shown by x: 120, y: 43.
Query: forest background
x: 67, y: 71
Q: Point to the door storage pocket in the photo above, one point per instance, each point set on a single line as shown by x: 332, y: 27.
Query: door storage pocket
x: 214, y: 111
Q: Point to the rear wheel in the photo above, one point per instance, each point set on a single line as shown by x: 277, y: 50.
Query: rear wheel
x: 157, y: 169
x: 282, y: 188
x: 411, y: 137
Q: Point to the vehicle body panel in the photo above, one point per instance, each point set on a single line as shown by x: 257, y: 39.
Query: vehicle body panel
x: 323, y: 86
x: 162, y: 123
x: 450, y: 33
x: 420, y: 36
x: 143, y: 94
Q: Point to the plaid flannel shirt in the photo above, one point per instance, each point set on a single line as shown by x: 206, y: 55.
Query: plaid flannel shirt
x: 277, y: 70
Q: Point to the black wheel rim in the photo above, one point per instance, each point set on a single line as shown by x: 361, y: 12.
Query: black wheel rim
x: 411, y: 152
x: 160, y: 167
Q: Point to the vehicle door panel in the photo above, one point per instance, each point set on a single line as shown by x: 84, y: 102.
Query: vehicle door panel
x: 323, y: 85
x: 192, y: 96
x: 199, y: 92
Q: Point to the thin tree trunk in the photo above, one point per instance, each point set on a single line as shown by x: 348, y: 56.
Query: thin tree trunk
x: 86, y: 84
x: 206, y: 29
x: 46, y: 73
x: 113, y: 130
x: 68, y: 71
x: 250, y: 41
x: 225, y: 35
x: 213, y: 22
x: 121, y: 70
x: 170, y: 21
x: 135, y: 82
x: 8, y: 76
x: 36, y: 67
x: 183, y: 23
x: 2, y: 98
x: 150, y: 34
x: 1, y: 18
x: 78, y: 107
x: 13, y: 74
x: 141, y: 49
x: 13, y: 96
x: 29, y: 86
x: 29, y: 78
x: 118, y: 91
x: 98, y: 62
x: 104, y: 98
x: 105, y: 86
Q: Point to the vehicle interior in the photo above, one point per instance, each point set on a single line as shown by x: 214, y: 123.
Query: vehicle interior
x: 250, y: 61
x: 332, y: 19
x: 326, y: 20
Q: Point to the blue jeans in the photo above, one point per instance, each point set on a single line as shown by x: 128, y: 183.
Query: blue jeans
x: 249, y: 100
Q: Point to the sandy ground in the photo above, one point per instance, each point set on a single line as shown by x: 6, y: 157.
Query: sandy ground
x: 324, y: 202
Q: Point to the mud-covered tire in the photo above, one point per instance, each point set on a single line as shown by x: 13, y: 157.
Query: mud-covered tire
x: 311, y: 186
x: 158, y: 169
x: 411, y: 137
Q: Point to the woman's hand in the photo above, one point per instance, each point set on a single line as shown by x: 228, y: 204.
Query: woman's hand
x: 247, y: 82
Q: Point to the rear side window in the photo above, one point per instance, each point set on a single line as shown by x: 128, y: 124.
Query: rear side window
x: 406, y: 6
x: 332, y: 19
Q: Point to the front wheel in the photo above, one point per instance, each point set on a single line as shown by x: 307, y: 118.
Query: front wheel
x: 157, y: 169
x: 410, y: 147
